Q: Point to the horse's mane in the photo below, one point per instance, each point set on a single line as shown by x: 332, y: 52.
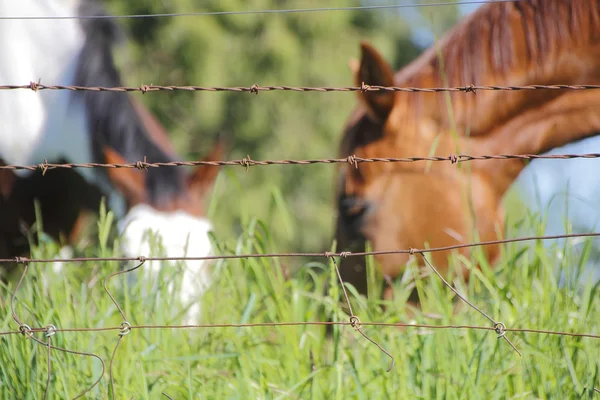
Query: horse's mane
x: 496, y: 38
x: 112, y: 116
x: 518, y: 43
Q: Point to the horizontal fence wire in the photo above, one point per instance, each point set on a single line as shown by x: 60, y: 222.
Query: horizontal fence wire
x: 255, y: 88
x: 125, y: 328
x: 300, y: 323
x: 248, y: 162
x: 325, y: 254
x: 254, y: 12
x: 354, y: 321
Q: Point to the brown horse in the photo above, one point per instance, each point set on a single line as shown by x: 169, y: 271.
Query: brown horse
x: 402, y: 205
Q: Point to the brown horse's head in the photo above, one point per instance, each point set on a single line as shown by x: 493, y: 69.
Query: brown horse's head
x: 403, y: 205
x: 437, y: 204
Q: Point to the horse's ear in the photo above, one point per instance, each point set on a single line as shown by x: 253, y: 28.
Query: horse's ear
x: 128, y: 181
x: 204, y: 176
x: 375, y: 71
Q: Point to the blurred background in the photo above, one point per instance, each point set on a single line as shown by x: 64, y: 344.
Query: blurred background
x: 297, y: 49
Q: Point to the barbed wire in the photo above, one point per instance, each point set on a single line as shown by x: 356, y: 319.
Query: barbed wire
x: 325, y: 254
x: 255, y: 89
x: 300, y: 323
x: 248, y: 162
x: 125, y: 327
x: 253, y: 12
x: 354, y: 321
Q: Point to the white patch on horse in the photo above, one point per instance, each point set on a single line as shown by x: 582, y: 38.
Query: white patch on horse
x: 565, y: 191
x: 46, y: 124
x: 176, y: 229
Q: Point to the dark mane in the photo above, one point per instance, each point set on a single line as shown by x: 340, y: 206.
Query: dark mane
x: 112, y: 117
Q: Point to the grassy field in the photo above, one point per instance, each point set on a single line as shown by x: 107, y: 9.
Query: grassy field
x: 524, y: 290
x: 280, y: 362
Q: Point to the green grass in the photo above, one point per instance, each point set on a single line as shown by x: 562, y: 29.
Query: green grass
x: 281, y: 362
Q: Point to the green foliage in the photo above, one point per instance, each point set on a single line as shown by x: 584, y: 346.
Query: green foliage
x: 276, y: 362
x: 302, y: 49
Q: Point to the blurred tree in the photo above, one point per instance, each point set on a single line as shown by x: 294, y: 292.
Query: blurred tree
x: 304, y: 49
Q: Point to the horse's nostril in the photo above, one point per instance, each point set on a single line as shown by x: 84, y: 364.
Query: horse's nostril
x: 353, y: 207
x: 352, y: 212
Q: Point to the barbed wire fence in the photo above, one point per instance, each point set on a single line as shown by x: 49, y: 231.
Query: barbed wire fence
x: 255, y: 88
x: 354, y: 321
x: 496, y: 326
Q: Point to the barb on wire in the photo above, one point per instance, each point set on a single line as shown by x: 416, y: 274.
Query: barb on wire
x: 499, y: 327
x: 325, y: 254
x: 255, y: 88
x: 247, y: 162
x: 355, y: 321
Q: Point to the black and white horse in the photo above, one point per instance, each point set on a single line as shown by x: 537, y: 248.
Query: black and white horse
x: 80, y: 127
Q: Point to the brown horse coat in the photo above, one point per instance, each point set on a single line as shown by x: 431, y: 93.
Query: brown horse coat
x: 402, y: 205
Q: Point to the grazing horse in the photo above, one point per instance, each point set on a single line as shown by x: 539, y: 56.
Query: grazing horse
x: 81, y: 127
x: 403, y: 205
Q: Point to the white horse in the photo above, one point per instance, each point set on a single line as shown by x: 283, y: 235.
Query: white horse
x: 80, y: 127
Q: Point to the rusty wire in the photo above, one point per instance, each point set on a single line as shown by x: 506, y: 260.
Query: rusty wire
x: 248, y: 162
x: 355, y: 321
x: 326, y: 254
x: 125, y: 328
x: 307, y: 323
x: 255, y: 88
x: 499, y: 327
x: 49, y: 330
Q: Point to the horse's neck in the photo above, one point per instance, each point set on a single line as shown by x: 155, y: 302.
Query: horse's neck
x: 501, y: 122
x: 56, y: 42
x: 36, y: 50
x: 49, y: 124
x: 520, y: 44
x: 480, y: 113
x: 557, y: 120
